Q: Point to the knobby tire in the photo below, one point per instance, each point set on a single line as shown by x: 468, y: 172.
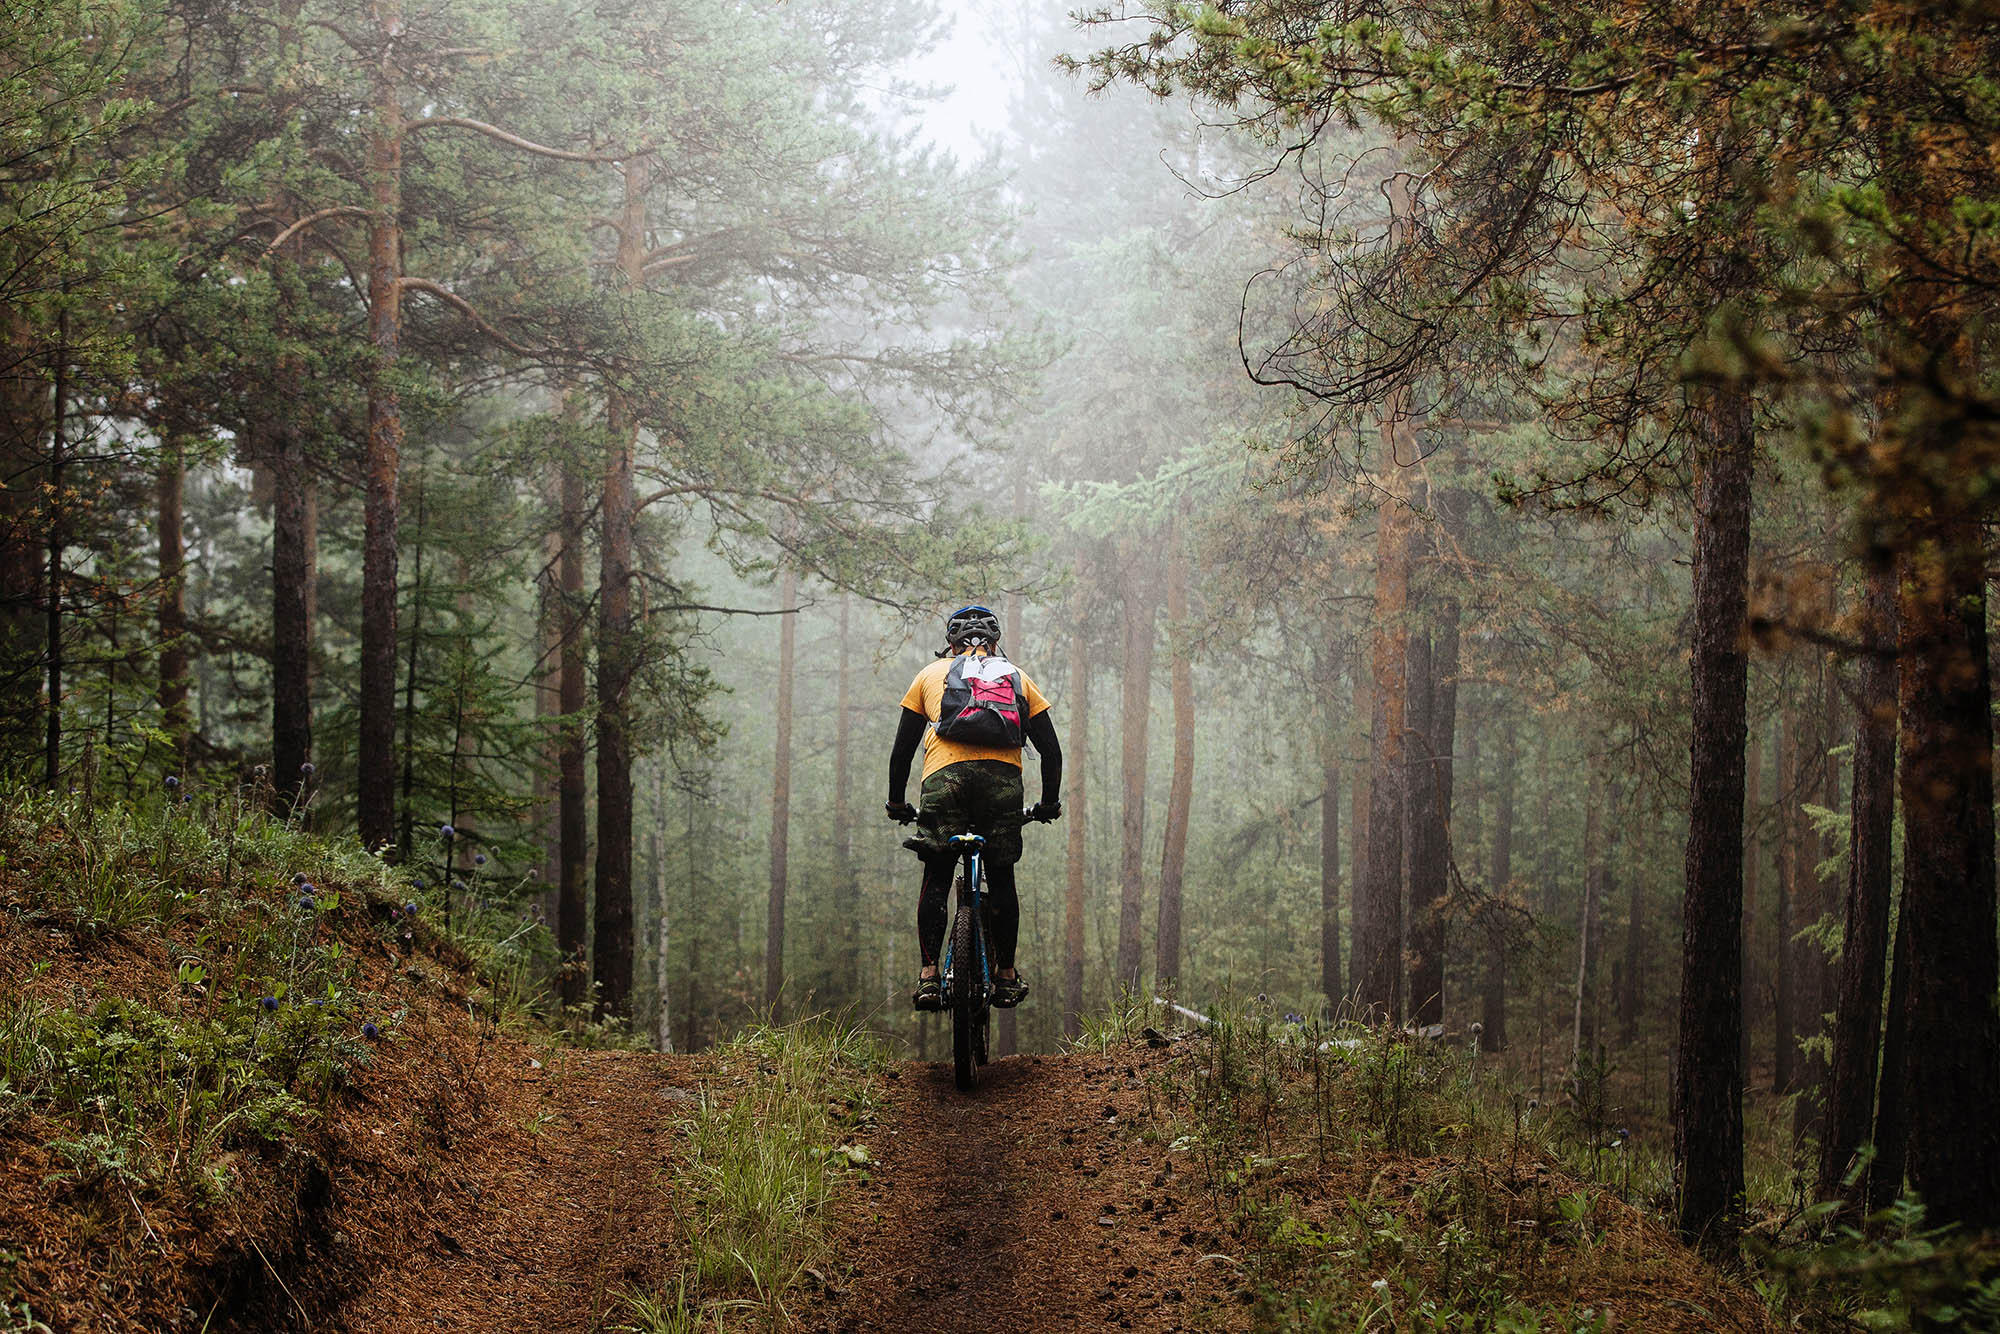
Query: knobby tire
x: 965, y: 1039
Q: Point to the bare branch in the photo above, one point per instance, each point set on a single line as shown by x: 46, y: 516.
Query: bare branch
x: 465, y: 308
x: 512, y: 140
x: 341, y: 211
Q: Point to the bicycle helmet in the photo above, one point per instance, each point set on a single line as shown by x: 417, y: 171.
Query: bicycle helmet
x: 971, y: 623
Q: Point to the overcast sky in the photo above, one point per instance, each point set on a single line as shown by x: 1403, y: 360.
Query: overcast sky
x: 972, y: 62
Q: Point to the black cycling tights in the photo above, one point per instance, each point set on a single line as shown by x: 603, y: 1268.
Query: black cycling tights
x: 1003, y: 910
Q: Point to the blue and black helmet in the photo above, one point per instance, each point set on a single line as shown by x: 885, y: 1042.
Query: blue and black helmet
x: 972, y: 623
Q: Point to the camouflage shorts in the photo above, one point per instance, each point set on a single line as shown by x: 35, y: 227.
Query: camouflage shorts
x: 971, y: 797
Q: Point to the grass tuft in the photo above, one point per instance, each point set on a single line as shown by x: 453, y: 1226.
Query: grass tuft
x: 762, y: 1163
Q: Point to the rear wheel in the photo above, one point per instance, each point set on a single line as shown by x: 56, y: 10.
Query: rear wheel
x: 968, y: 1040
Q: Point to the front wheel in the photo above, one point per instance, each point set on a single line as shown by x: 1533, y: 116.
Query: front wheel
x: 967, y: 1013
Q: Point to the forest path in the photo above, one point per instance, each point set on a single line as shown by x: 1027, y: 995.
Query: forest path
x: 558, y: 1202
x: 1032, y: 1202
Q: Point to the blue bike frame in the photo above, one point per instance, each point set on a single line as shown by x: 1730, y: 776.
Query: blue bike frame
x: 969, y: 848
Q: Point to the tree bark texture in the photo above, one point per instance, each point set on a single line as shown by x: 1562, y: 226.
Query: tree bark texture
x: 781, y: 796
x: 174, y: 721
x: 1378, y: 900
x: 1329, y: 864
x: 1784, y: 1020
x: 1493, y: 996
x: 1753, y: 857
x: 1431, y: 778
x: 1952, y: 1028
x: 1135, y: 706
x: 294, y: 611
x: 1180, y: 789
x: 572, y: 782
x: 1707, y: 1076
x: 1076, y: 813
x: 1583, y: 1033
x: 375, y: 760
x: 617, y: 646
x: 1857, y: 1025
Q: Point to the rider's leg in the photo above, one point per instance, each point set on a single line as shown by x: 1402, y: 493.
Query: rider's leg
x: 933, y: 911
x: 1003, y: 916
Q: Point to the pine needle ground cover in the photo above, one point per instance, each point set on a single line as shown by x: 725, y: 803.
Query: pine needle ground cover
x: 1366, y: 1187
x: 236, y: 1063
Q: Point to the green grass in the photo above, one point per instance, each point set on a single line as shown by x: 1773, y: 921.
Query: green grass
x: 253, y: 1025
x: 759, y: 1170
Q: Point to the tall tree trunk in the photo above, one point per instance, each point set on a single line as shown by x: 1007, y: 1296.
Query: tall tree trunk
x: 1076, y: 812
x: 1952, y: 1029
x: 294, y: 610
x: 617, y: 643
x: 1753, y: 856
x: 1006, y: 1033
x: 846, y: 885
x: 1359, y: 792
x: 572, y: 783
x: 1431, y: 795
x: 1378, y: 899
x: 1632, y: 977
x: 1583, y: 1034
x: 54, y: 582
x: 1134, y: 711
x: 1857, y: 1026
x: 781, y: 795
x: 1422, y: 837
x: 1493, y: 998
x: 1784, y: 1019
x: 375, y: 760
x: 1814, y: 975
x: 1180, y: 791
x: 1329, y: 862
x: 173, y: 601
x: 663, y: 1029
x: 1708, y: 1080
x: 409, y: 788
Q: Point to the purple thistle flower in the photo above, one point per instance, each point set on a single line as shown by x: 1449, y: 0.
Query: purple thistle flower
x: 308, y: 903
x: 446, y: 831
x: 479, y: 859
x: 307, y: 769
x: 298, y: 877
x: 172, y: 782
x: 370, y: 1032
x: 457, y: 884
x: 410, y: 908
x: 269, y: 1002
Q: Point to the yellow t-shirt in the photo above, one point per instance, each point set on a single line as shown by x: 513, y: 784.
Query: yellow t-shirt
x: 926, y: 696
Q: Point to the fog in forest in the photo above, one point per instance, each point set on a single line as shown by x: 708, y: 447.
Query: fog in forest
x: 1499, y: 510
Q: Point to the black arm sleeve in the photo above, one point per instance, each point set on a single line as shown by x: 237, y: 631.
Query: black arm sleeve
x: 908, y: 733
x: 1042, y: 733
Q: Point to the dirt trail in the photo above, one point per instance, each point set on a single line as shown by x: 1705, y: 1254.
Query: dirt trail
x: 558, y: 1202
x: 1029, y: 1203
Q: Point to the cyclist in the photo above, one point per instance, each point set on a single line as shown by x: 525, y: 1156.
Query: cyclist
x: 969, y: 789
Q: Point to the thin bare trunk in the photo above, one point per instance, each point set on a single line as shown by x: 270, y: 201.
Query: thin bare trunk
x: 1857, y: 1029
x: 572, y: 782
x: 173, y: 602
x: 781, y: 796
x: 1493, y: 999
x: 1180, y: 791
x: 1135, y: 709
x: 1378, y: 898
x: 1707, y: 1079
x: 294, y: 609
x: 375, y: 759
x: 1076, y: 812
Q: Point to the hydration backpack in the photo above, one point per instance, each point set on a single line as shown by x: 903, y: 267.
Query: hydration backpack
x: 984, y: 703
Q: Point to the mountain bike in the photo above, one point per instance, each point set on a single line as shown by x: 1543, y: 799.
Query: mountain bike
x: 967, y: 966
